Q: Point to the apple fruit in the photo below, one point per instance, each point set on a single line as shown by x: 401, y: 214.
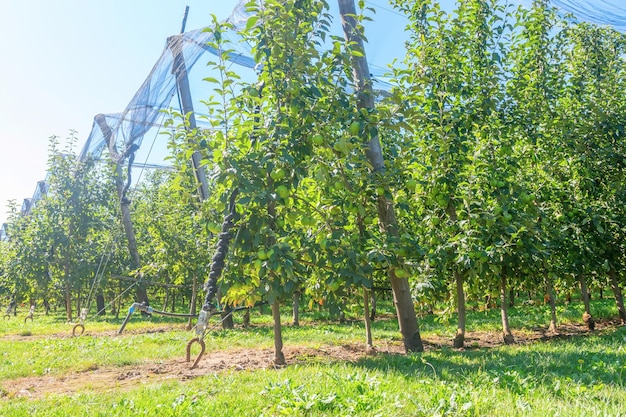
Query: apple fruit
x: 355, y: 128
x: 318, y: 139
x: 282, y: 191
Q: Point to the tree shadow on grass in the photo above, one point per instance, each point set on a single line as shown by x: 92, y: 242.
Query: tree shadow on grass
x: 581, y: 359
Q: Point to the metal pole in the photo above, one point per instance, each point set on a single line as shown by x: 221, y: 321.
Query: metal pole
x: 179, y: 69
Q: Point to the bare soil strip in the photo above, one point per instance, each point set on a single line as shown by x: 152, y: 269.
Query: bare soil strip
x: 119, y: 378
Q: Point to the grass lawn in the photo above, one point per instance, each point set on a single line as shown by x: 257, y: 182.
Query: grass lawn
x: 46, y: 372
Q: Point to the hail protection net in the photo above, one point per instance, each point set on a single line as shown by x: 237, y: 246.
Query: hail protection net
x: 144, y: 113
x: 606, y: 12
x: 159, y: 91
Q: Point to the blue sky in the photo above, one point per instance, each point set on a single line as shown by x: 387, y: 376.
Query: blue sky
x: 65, y: 61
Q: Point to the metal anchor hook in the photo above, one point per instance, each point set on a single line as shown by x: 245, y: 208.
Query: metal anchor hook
x: 30, y: 315
x: 83, y: 317
x: 202, y: 349
x: 82, y: 329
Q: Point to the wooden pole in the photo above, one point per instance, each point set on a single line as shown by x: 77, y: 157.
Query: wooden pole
x: 407, y: 319
x: 141, y: 295
x: 179, y: 69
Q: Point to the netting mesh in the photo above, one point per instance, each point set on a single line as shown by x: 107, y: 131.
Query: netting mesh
x: 606, y: 12
x: 159, y: 89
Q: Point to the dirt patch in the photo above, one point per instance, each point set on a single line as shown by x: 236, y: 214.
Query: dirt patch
x: 479, y: 340
x: 112, y: 379
x: 118, y: 378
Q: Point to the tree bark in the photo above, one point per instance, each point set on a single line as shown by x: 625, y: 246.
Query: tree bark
x: 584, y: 292
x: 100, y: 304
x: 550, y: 290
x: 372, y: 305
x: 279, y: 357
x: 407, y: 319
x: 369, y: 344
x: 295, y: 318
x: 68, y: 290
x: 192, y: 304
x: 166, y: 300
x: 617, y: 292
x: 507, y: 335
x: 587, y: 317
x: 459, y: 339
x: 227, y: 318
x: 140, y: 293
x: 68, y: 302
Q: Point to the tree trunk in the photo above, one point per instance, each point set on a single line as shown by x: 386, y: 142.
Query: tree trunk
x: 246, y: 318
x: 68, y: 290
x: 165, y: 301
x: 369, y: 344
x: 587, y: 317
x: 140, y: 293
x: 119, y: 302
x: 68, y: 302
x: 550, y: 290
x: 227, y: 318
x: 459, y: 339
x: 295, y: 318
x: 192, y: 307
x: 279, y: 357
x: 407, y: 319
x: 372, y: 305
x: 100, y: 304
x: 507, y: 335
x: 617, y: 292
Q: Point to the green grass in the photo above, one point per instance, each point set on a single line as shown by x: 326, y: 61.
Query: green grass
x: 574, y: 376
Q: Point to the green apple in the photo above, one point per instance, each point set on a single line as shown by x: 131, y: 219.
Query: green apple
x: 282, y: 191
x: 355, y: 128
x: 318, y: 139
x: 342, y: 147
x: 278, y: 174
x: 253, y: 92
